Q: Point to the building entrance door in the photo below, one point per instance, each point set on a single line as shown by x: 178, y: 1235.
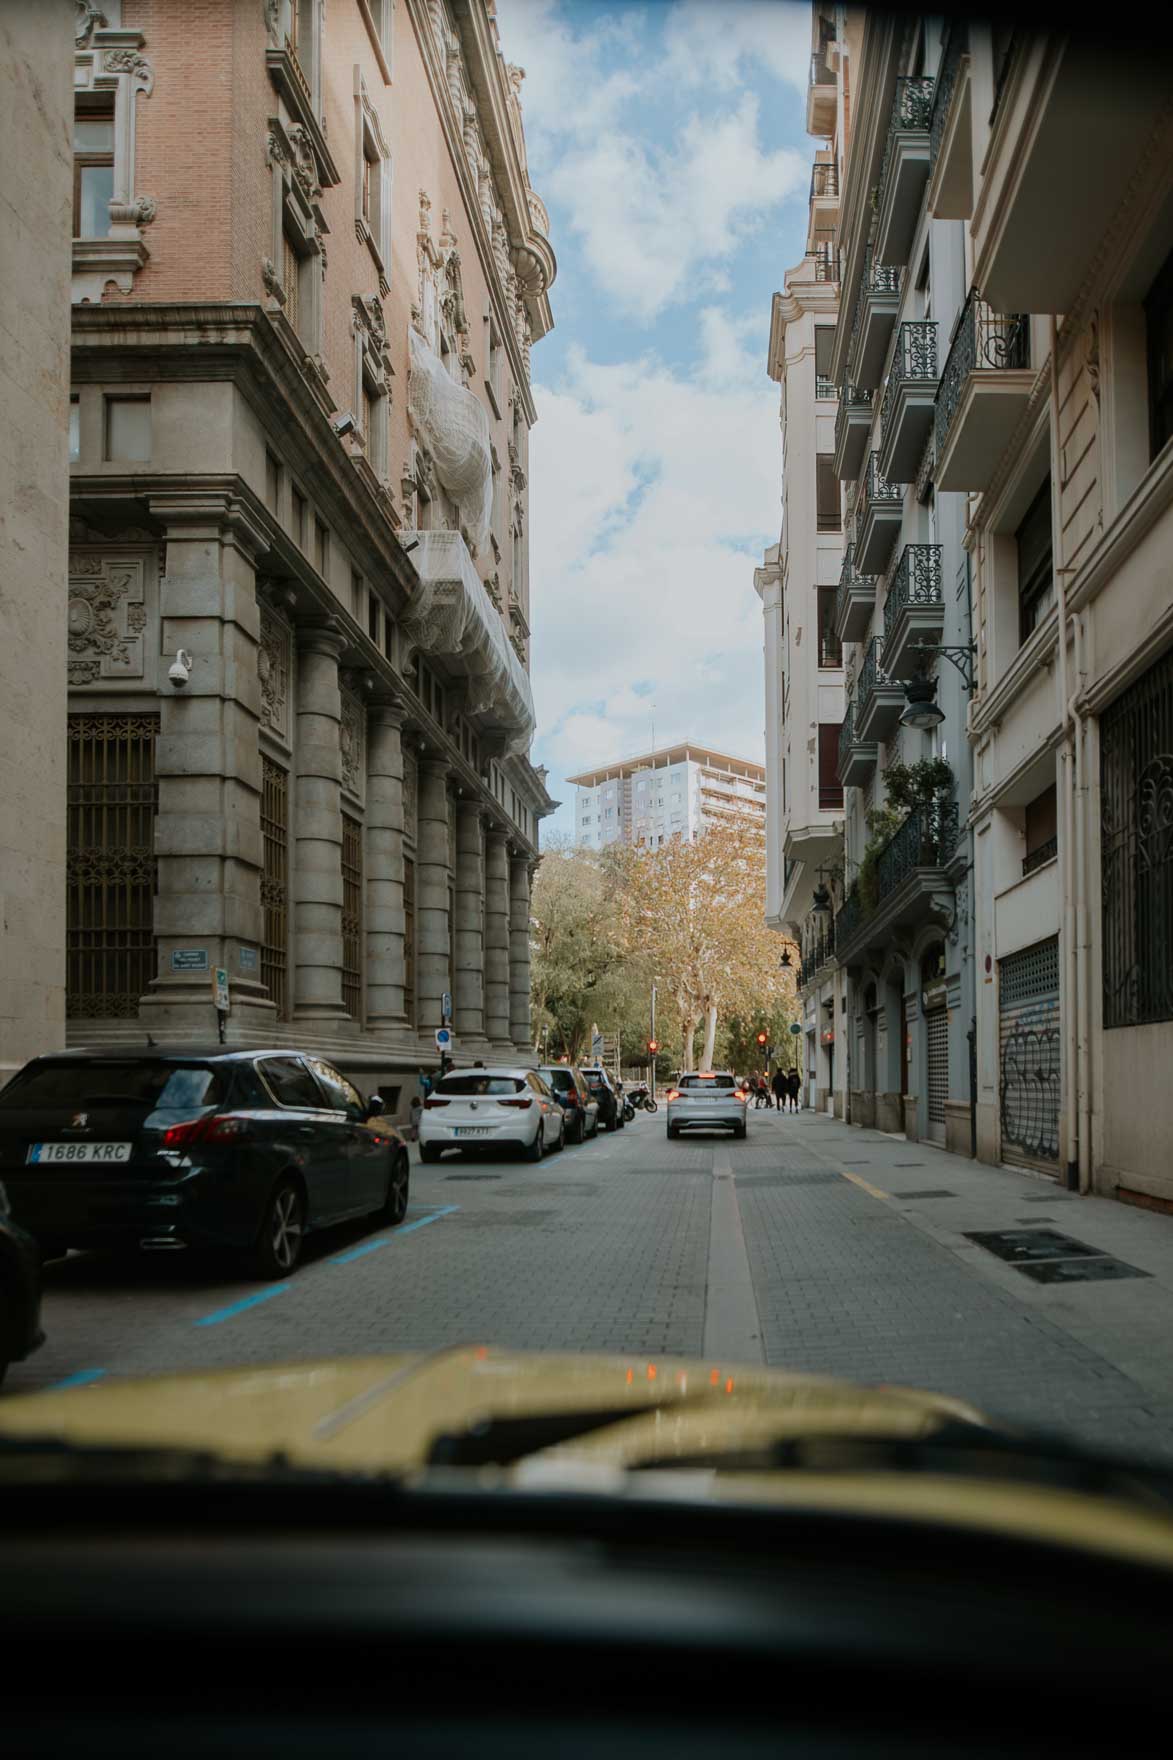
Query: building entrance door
x: 937, y: 1045
x: 1028, y: 1087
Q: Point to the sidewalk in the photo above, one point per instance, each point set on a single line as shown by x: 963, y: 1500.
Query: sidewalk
x: 862, y: 1264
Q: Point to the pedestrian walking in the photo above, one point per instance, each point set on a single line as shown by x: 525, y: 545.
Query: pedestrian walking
x: 794, y: 1087
x: 781, y: 1088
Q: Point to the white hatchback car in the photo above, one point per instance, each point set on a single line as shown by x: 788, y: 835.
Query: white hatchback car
x: 489, y: 1109
x: 703, y: 1098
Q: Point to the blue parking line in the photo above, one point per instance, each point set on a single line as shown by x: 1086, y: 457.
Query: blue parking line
x: 357, y: 1252
x: 263, y: 1295
x: 81, y: 1378
x: 444, y: 1210
x: 387, y: 1240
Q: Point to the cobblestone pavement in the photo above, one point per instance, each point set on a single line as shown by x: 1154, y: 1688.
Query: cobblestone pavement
x: 810, y: 1245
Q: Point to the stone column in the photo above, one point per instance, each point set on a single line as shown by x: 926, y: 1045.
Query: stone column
x: 519, y: 985
x: 468, y: 999
x: 317, y: 859
x: 432, y: 976
x: 208, y: 770
x: 497, y: 942
x: 384, y: 870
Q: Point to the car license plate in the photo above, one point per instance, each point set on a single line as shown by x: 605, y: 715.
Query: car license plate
x: 472, y: 1130
x: 79, y: 1152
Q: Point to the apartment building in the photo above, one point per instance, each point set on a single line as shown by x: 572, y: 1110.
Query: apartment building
x: 674, y: 791
x: 308, y: 270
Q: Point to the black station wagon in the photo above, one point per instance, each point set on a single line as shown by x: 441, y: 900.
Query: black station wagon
x: 241, y: 1149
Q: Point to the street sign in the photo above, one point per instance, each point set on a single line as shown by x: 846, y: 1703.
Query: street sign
x: 446, y: 1008
x: 220, y: 989
x: 189, y: 959
x: 596, y: 1046
x: 443, y: 1038
x: 794, y: 1027
x: 248, y: 959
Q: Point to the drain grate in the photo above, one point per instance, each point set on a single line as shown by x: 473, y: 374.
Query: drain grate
x: 1046, y: 1256
x: 931, y: 1194
x: 909, y: 1164
x: 1101, y: 1270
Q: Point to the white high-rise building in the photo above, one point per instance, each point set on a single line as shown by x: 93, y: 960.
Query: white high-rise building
x: 674, y: 791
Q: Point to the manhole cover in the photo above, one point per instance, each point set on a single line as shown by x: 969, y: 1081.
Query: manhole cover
x: 909, y: 1164
x: 1021, y: 1245
x: 1102, y: 1270
x: 449, y: 1176
x: 941, y: 1194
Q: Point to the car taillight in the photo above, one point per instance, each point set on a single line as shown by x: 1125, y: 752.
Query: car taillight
x: 435, y: 1100
x: 673, y: 1094
x: 211, y: 1128
x: 524, y: 1104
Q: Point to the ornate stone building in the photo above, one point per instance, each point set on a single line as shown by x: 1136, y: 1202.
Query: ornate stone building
x: 308, y: 270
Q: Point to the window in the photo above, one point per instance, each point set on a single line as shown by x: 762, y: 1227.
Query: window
x: 826, y: 492
x: 1136, y: 850
x: 301, y: 38
x: 128, y: 429
x: 322, y: 548
x: 290, y: 1082
x: 1158, y: 313
x: 272, y: 484
x: 830, y: 788
x: 373, y: 609
x: 372, y: 184
x: 1041, y: 827
x: 74, y: 430
x: 1036, y: 580
x: 824, y: 349
x: 830, y: 652
x: 357, y: 593
x: 341, y: 1095
x: 93, y: 167
x: 352, y: 917
x: 299, y: 517
x: 409, y: 939
x: 112, y: 799
x: 274, y: 883
x: 292, y: 278
x: 494, y: 355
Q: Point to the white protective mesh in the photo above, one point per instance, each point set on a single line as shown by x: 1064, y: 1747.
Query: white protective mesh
x: 451, y: 616
x: 455, y: 429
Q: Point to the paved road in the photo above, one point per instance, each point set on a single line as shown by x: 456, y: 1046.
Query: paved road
x: 810, y: 1245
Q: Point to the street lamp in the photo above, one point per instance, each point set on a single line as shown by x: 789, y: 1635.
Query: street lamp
x: 785, y: 960
x: 821, y: 902
x: 922, y: 711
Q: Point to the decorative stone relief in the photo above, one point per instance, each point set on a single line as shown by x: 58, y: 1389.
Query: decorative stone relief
x: 273, y: 673
x: 104, y: 638
x: 130, y: 61
x: 144, y: 210
x: 305, y: 164
x: 352, y: 741
x: 89, y: 18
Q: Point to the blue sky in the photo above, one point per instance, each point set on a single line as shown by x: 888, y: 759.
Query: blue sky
x: 667, y: 139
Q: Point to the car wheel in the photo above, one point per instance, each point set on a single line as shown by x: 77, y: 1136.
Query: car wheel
x: 398, y: 1185
x: 671, y: 1132
x: 739, y: 1130
x: 429, y: 1152
x: 282, y: 1237
x: 533, y: 1151
x: 581, y: 1130
x: 561, y: 1143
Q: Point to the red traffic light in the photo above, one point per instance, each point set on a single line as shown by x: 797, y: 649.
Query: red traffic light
x: 762, y: 1038
x: 653, y: 1044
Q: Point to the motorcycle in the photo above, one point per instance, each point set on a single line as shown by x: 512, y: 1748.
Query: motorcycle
x: 628, y: 1110
x: 641, y: 1099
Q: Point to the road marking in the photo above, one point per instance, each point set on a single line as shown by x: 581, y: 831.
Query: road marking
x: 81, y: 1378
x: 732, y: 1328
x: 857, y: 1180
x: 263, y: 1295
x: 387, y: 1240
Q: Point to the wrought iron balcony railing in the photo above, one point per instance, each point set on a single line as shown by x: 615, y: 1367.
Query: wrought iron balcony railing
x: 926, y: 839
x: 877, y: 278
x: 912, y: 109
x: 875, y: 490
x: 821, y: 74
x: 846, y: 734
x: 824, y: 181
x: 850, y: 397
x: 955, y: 45
x: 916, y: 581
x: 849, y: 578
x: 871, y: 673
x: 848, y: 917
x: 1038, y: 858
x: 983, y: 342
x: 913, y: 362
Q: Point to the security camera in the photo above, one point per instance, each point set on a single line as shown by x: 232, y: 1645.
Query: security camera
x: 180, y: 669
x: 343, y: 424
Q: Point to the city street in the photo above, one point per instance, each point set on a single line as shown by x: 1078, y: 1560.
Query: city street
x: 811, y: 1246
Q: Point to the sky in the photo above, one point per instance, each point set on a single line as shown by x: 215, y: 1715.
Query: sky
x: 667, y: 139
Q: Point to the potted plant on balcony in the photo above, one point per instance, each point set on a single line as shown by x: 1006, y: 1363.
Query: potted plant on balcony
x: 882, y: 822
x: 924, y: 788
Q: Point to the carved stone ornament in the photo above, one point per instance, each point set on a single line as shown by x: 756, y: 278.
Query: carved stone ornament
x: 272, y: 12
x: 271, y: 279
x: 145, y: 209
x: 130, y: 61
x: 274, y: 149
x: 352, y: 743
x: 305, y: 165
x: 88, y: 17
x: 273, y: 673
x: 103, y: 641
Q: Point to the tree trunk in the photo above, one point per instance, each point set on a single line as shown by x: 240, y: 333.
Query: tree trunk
x: 690, y: 1026
x: 710, y: 1035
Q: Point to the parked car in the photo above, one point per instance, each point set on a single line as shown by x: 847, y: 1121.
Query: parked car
x: 20, y: 1291
x: 497, y: 1108
x: 705, y: 1098
x: 166, y: 1149
x: 610, y: 1105
x: 570, y: 1088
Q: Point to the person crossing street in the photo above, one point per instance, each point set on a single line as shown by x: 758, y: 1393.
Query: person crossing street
x: 780, y: 1087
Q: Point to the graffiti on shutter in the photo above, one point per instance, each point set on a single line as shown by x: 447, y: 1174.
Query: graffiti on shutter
x: 1030, y: 1051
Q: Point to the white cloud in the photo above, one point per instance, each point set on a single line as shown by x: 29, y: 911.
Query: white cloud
x: 712, y: 45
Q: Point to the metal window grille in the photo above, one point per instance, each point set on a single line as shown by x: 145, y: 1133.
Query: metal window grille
x: 110, y: 863
x: 275, y: 883
x: 937, y: 1034
x: 409, y: 939
x: 352, y: 916
x: 1136, y: 850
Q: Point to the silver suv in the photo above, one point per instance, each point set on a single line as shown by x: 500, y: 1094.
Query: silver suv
x: 704, y: 1098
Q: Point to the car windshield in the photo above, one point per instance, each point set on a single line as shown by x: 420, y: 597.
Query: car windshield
x: 606, y: 788
x: 153, y: 1085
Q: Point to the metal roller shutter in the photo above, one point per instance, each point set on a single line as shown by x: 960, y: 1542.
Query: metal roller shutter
x: 937, y: 1035
x: 1029, y: 1052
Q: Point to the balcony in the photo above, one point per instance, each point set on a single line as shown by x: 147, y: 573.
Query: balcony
x: 906, y: 416
x: 853, y: 424
x: 951, y: 131
x: 914, y: 611
x: 824, y: 388
x: 911, y: 884
x: 1038, y: 858
x: 878, y: 515
x: 855, y: 600
x: 857, y: 760
x: 824, y: 195
x: 820, y: 97
x: 879, y: 698
x: 905, y: 170
x: 983, y: 392
x: 875, y: 313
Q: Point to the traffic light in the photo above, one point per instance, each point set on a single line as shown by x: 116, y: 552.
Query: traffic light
x: 763, y: 1038
x: 653, y: 1046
